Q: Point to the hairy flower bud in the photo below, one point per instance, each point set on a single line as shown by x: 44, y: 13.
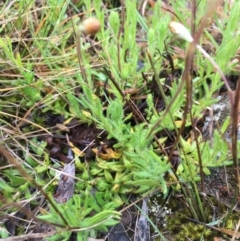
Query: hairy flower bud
x: 180, y: 30
x: 90, y: 26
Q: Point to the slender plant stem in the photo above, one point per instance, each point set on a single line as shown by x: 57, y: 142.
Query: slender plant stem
x: 235, y: 108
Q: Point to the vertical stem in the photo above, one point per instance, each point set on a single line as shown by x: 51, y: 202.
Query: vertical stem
x: 234, y: 113
x: 119, y: 34
x: 79, y: 53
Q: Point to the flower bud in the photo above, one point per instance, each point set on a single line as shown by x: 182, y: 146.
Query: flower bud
x: 90, y: 26
x: 181, y: 31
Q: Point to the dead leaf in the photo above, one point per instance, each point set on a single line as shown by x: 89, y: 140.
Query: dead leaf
x: 106, y: 153
x: 218, y: 239
x: 62, y: 127
x: 229, y: 232
x: 75, y: 150
x: 66, y: 184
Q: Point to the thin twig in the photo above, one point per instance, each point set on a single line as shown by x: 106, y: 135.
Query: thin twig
x: 236, y: 231
x: 234, y: 113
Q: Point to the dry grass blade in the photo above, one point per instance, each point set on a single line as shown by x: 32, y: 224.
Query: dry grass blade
x: 28, y: 121
x: 32, y: 236
x: 236, y: 233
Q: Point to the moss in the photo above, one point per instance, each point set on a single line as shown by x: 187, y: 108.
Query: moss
x: 178, y: 223
x: 193, y: 232
x: 232, y: 221
x: 174, y: 222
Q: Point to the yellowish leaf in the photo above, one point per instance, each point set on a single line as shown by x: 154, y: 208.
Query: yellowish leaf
x: 75, y: 150
x: 68, y: 121
x: 86, y: 113
x: 178, y: 123
x: 108, y: 154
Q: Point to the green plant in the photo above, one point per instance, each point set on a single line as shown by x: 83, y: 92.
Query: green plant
x: 76, y: 212
x: 100, y: 86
